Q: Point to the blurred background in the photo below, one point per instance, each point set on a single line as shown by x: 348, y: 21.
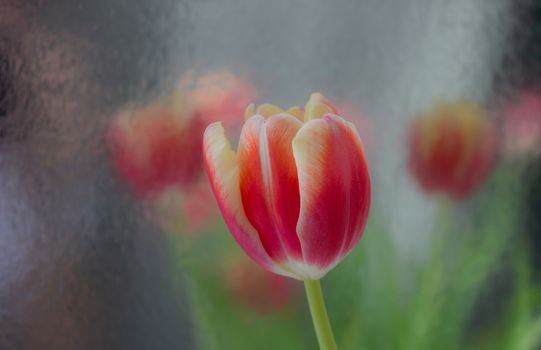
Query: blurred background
x: 111, y: 239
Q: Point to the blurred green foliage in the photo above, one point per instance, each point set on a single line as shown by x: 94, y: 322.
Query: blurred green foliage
x: 472, y: 290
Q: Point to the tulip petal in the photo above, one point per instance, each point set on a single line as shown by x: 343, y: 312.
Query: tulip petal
x: 334, y: 188
x: 266, y: 110
x: 269, y: 184
x: 223, y: 173
x: 317, y: 106
x: 249, y: 111
x: 297, y: 112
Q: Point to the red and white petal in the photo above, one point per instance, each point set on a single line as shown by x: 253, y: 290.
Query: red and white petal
x: 269, y: 185
x: 334, y: 191
x: 223, y: 173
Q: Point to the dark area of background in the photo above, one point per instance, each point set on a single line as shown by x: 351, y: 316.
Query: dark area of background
x: 80, y: 267
x: 521, y: 71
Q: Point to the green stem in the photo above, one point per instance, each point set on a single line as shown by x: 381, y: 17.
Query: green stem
x: 322, y: 325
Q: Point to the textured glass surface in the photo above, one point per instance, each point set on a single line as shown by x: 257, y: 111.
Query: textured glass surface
x: 111, y: 239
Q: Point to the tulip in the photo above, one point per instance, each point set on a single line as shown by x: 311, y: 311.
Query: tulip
x: 452, y: 148
x: 296, y: 194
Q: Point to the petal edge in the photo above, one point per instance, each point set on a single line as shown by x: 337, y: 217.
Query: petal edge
x: 223, y: 174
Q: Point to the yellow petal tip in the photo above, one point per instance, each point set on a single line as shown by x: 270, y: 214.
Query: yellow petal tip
x: 249, y: 111
x: 266, y: 110
x: 317, y: 106
x: 296, y: 112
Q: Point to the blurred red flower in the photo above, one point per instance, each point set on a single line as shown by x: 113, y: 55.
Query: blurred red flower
x: 157, y: 149
x: 452, y: 148
x: 257, y: 289
x: 154, y: 149
x: 217, y: 95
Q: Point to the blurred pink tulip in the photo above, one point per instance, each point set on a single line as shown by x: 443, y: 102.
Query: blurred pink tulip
x: 156, y: 151
x: 217, y: 95
x: 522, y: 125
